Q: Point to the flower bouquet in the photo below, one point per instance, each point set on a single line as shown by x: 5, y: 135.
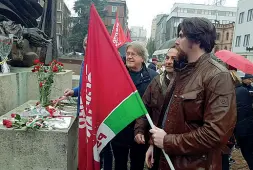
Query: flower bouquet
x: 46, y: 79
x: 5, y: 49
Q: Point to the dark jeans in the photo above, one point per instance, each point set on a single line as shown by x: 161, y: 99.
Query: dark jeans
x: 137, y: 156
x: 246, y: 145
x: 225, y: 162
x: 106, y: 158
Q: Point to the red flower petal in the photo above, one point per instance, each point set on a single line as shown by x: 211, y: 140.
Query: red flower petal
x: 37, y: 61
x: 13, y: 115
x: 41, y: 84
x: 7, y: 123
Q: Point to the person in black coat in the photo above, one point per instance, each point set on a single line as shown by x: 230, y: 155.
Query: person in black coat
x: 153, y: 64
x: 123, y: 143
x: 244, y: 125
x: 246, y: 82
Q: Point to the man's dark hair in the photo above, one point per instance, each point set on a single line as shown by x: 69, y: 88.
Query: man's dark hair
x: 179, y: 27
x: 200, y: 31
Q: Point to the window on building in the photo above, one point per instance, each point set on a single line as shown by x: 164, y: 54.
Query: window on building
x: 114, y: 9
x: 191, y: 11
x: 199, y: 11
x: 206, y: 12
x: 213, y: 12
x: 59, y: 4
x: 241, y: 17
x: 225, y: 48
x: 238, y: 41
x: 246, y: 40
x: 113, y: 21
x: 229, y: 14
x: 58, y: 29
x: 250, y: 15
x: 59, y: 17
x: 218, y: 36
x: 227, y: 36
x: 222, y: 13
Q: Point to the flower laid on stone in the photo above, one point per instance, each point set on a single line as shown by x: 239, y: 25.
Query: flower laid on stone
x: 18, y: 122
x: 46, y: 78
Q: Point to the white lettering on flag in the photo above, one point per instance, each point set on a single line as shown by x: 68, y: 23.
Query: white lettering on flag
x: 104, y: 136
x: 85, y: 115
x: 116, y: 36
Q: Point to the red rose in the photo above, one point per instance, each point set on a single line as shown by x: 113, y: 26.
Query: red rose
x: 60, y: 64
x: 7, y: 123
x: 41, y: 84
x: 55, y: 68
x: 37, y: 68
x: 13, y: 115
x: 37, y: 61
x: 51, y: 111
x: 4, y: 122
x: 33, y: 70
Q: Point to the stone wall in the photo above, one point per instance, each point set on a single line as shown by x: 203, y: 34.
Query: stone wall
x: 21, y: 85
x: 39, y: 150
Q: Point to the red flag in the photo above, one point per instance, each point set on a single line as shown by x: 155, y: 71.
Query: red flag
x: 118, y: 35
x: 128, y: 36
x: 107, y: 92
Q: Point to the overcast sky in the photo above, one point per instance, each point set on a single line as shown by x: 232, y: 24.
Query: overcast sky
x: 142, y: 12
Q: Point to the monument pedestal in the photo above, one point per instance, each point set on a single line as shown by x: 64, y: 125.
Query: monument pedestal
x: 21, y: 85
x: 38, y: 150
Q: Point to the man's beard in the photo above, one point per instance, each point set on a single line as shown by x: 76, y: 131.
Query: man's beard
x: 181, y: 61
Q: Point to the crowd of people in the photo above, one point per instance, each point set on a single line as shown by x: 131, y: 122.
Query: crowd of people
x: 197, y: 105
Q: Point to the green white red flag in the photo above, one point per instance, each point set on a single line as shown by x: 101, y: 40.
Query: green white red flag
x: 109, y: 99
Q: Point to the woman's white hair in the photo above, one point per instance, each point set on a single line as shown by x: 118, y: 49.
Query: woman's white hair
x: 139, y: 48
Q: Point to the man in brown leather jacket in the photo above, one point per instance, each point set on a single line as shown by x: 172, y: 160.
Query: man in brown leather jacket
x: 200, y: 101
x: 154, y: 98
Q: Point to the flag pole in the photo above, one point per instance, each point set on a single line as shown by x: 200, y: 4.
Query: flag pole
x: 165, y: 154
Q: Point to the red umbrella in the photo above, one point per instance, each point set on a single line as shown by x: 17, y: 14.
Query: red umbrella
x: 236, y: 61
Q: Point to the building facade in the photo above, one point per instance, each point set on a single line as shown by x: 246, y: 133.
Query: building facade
x: 216, y: 14
x: 160, y: 37
x: 225, y: 34
x: 243, y: 36
x: 139, y: 34
x: 112, y: 7
x: 154, y: 26
x: 153, y: 29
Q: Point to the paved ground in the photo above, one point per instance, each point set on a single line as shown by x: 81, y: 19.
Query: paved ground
x: 240, y: 163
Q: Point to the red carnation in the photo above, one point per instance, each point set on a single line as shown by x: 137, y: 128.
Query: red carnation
x: 37, y: 61
x: 37, y: 68
x: 55, y: 68
x: 51, y: 111
x: 41, y: 84
x: 33, y: 70
x: 13, y: 115
x: 7, y: 123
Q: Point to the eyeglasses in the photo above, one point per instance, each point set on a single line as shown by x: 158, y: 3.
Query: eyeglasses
x: 131, y: 54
